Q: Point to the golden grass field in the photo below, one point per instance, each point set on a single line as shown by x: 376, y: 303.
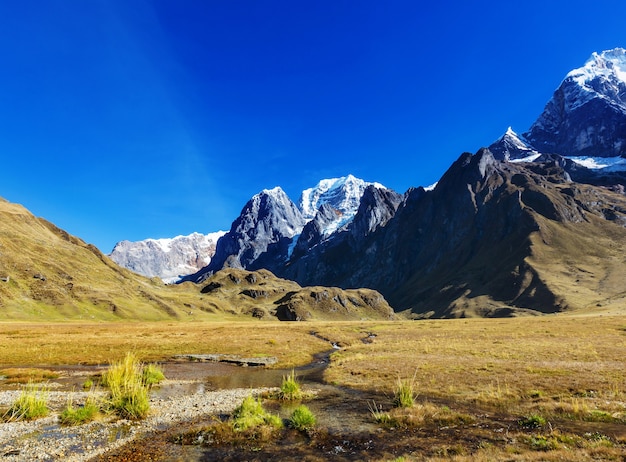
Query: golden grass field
x: 569, y: 370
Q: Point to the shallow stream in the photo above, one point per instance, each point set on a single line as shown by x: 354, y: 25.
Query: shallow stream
x: 342, y: 413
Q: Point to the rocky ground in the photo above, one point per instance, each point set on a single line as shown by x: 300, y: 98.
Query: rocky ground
x: 45, y: 439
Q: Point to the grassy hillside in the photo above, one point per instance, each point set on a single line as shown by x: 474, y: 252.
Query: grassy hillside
x: 262, y: 295
x: 47, y: 274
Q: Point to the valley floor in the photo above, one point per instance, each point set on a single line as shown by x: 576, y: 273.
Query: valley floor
x: 541, y: 388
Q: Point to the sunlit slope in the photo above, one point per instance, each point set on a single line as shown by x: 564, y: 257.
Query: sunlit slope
x: 584, y: 264
x: 48, y: 274
x: 260, y: 294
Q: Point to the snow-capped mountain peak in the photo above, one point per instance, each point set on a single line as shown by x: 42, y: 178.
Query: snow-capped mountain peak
x: 585, y: 116
x: 168, y: 258
x: 276, y: 191
x: 602, y: 76
x: 513, y: 147
x: 343, y: 194
x: 610, y: 64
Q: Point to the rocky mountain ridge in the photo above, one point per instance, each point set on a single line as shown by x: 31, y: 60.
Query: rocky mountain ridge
x: 478, y: 244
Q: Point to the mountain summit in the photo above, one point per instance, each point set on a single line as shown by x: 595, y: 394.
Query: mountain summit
x: 586, y: 116
x: 342, y: 194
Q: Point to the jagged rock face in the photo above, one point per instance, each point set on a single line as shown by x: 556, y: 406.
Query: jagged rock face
x: 376, y: 208
x: 260, y: 237
x: 587, y: 114
x: 332, y: 262
x: 263, y: 235
x: 168, y: 259
x: 315, y: 230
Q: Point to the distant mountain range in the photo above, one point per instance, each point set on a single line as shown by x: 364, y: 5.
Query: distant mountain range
x: 168, y: 259
x: 172, y: 259
x: 536, y: 223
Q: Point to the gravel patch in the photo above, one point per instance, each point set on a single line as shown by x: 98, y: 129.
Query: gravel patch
x: 45, y: 439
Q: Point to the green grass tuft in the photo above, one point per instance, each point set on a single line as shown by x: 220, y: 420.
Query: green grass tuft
x: 302, y: 419
x: 251, y: 414
x: 290, y: 388
x: 31, y: 404
x: 404, y: 393
x: 152, y: 375
x: 88, y: 412
x: 128, y: 391
x: 533, y: 421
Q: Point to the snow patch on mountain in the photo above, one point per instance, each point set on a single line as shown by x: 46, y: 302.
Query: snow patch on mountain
x: 610, y: 64
x: 608, y: 164
x: 167, y: 258
x: 343, y: 194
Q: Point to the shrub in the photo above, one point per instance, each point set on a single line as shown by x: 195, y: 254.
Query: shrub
x: 290, y: 388
x: 302, y: 419
x: 31, y: 404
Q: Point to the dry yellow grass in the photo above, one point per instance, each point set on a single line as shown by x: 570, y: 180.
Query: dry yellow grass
x: 567, y: 369
x: 101, y: 343
x: 487, y: 360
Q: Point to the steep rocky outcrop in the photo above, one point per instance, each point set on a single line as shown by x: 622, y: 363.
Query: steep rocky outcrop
x: 341, y: 258
x: 314, y: 231
x: 259, y: 238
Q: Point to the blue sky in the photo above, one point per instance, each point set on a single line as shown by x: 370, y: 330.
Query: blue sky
x: 129, y: 119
